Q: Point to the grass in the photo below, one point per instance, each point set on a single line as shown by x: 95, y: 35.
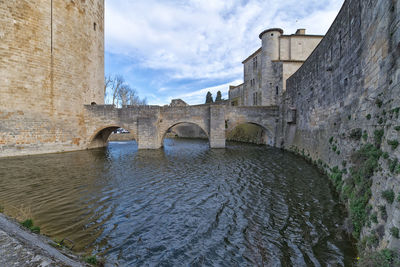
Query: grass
x: 388, y: 195
x: 28, y: 223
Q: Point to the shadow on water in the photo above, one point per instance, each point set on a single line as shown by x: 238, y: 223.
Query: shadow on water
x: 185, y: 204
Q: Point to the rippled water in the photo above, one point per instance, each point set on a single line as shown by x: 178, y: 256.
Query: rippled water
x: 185, y: 205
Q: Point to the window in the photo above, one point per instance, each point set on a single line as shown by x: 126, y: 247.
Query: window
x: 254, y: 63
x: 277, y: 90
x: 256, y: 98
x: 94, y: 26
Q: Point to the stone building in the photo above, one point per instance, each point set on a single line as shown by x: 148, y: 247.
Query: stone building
x: 236, y: 96
x: 267, y: 69
x: 51, y: 65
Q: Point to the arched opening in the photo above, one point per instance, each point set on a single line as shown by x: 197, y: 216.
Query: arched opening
x: 93, y: 103
x: 183, y: 130
x: 249, y: 132
x: 110, y: 134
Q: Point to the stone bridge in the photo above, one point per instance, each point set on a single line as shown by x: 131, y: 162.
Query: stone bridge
x: 149, y: 124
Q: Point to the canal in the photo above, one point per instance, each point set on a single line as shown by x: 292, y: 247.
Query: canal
x: 182, y: 205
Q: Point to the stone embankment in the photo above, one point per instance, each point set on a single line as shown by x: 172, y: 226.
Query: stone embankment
x: 19, y: 247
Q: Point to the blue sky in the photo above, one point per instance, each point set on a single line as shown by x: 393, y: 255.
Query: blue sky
x: 170, y: 49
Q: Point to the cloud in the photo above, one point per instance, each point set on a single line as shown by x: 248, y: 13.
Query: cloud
x: 202, y: 40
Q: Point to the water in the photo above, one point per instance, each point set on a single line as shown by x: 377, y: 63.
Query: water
x: 184, y: 205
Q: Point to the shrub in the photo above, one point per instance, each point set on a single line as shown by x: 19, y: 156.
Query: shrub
x: 91, y: 260
x: 388, y: 195
x: 331, y: 140
x: 368, y: 116
x: 356, y: 134
x: 365, y: 136
x: 393, y: 143
x: 27, y: 223
x: 378, y: 102
x: 334, y: 147
x: 392, y: 164
x: 383, y: 258
x: 374, y: 217
x: 382, y: 209
x: 385, y: 155
x: 394, y: 231
x: 378, y: 134
x: 397, y: 128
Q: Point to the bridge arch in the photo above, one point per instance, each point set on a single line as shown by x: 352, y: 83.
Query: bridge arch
x: 101, y: 135
x: 267, y: 135
x: 164, y: 130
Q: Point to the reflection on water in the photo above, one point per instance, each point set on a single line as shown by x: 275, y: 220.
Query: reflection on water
x: 184, y: 205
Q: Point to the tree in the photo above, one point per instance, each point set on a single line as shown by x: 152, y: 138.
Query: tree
x: 218, y: 98
x: 209, y: 98
x: 123, y: 93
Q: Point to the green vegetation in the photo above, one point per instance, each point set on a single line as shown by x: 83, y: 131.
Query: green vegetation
x: 365, y: 136
x: 380, y: 121
x: 378, y: 134
x: 344, y: 163
x: 393, y: 143
x: 392, y: 164
x: 91, y: 260
x: 336, y: 177
x: 394, y: 231
x: 331, y: 140
x: 385, y: 155
x: 398, y: 198
x: 374, y: 218
x: 356, y: 134
x: 397, y: 128
x: 357, y: 188
x: 29, y: 224
x: 383, y: 258
x: 388, y: 195
x: 378, y: 102
x: 382, y: 209
x: 334, y: 147
x: 368, y: 116
x: 349, y: 117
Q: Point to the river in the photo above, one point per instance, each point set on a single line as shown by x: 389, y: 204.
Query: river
x: 182, y: 205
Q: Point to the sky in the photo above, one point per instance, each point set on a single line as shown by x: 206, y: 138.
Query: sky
x: 167, y: 49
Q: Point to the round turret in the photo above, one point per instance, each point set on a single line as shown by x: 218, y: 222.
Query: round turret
x: 270, y: 42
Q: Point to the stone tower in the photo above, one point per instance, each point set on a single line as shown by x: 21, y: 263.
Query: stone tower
x: 51, y: 65
x: 270, y: 73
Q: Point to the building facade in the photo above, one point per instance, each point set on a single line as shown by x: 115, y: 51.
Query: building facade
x: 268, y: 68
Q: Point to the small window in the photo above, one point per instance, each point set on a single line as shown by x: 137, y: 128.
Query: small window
x: 277, y: 90
x: 272, y: 34
x: 93, y: 103
x: 94, y: 26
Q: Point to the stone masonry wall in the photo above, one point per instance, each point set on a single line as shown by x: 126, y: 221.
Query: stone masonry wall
x: 346, y: 96
x: 51, y: 64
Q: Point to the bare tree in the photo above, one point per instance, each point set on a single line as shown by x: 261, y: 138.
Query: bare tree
x: 123, y: 93
x: 120, y: 91
x: 108, y: 80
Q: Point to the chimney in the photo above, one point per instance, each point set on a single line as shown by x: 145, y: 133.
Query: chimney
x: 300, y: 32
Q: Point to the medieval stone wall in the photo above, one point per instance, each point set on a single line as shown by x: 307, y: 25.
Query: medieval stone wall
x: 345, y: 96
x: 51, y: 64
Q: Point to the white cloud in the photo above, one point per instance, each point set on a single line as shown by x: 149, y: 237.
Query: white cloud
x: 197, y: 39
